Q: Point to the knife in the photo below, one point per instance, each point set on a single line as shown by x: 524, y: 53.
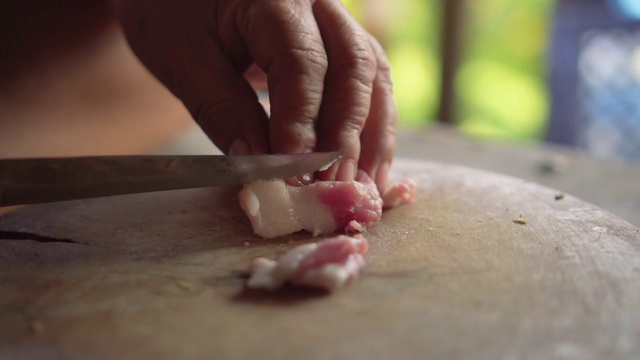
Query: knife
x: 41, y: 180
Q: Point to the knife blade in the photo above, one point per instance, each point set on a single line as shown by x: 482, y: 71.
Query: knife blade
x: 41, y: 180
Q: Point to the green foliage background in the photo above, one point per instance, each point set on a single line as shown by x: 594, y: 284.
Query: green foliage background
x: 501, y: 82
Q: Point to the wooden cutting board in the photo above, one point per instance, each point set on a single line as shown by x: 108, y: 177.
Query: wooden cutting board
x: 160, y: 275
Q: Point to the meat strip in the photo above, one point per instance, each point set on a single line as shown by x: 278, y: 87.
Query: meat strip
x: 329, y: 264
x: 275, y: 208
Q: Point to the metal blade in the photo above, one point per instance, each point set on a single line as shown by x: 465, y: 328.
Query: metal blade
x: 28, y: 181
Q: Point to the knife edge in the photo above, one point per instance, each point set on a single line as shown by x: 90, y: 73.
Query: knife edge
x: 40, y: 180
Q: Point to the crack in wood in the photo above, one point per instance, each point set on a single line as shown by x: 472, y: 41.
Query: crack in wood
x: 25, y: 235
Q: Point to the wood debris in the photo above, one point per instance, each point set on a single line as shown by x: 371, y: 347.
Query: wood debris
x: 520, y: 220
x: 185, y: 285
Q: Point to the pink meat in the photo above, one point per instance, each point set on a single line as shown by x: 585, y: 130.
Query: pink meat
x: 349, y: 201
x: 276, y: 209
x: 329, y: 264
x: 398, y: 193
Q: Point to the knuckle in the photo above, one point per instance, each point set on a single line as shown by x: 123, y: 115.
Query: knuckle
x: 383, y: 72
x: 383, y: 68
x: 362, y: 57
x: 304, y: 49
x: 310, y: 59
x: 359, y: 113
x: 390, y: 130
x: 353, y: 127
x: 384, y: 80
x: 361, y: 63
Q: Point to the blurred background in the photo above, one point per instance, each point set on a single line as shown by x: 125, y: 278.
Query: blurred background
x: 565, y: 71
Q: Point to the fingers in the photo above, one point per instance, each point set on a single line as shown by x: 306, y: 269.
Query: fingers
x: 358, y: 114
x: 378, y: 138
x: 328, y: 80
x: 348, y: 87
x: 171, y: 39
x: 226, y: 108
x: 284, y: 40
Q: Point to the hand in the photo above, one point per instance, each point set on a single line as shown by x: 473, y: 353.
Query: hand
x: 328, y: 79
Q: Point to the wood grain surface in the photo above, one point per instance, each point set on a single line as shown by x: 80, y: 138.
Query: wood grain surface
x: 160, y: 275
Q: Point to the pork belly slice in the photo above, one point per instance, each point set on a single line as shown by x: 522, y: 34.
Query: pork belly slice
x: 276, y: 209
x: 329, y: 264
x: 400, y: 192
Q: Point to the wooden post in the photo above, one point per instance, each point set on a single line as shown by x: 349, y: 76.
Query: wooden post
x: 452, y: 14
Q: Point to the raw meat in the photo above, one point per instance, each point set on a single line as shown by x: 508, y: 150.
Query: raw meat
x: 329, y: 264
x: 275, y: 208
x: 401, y: 192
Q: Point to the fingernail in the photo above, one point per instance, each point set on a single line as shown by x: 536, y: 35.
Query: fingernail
x: 382, y: 176
x: 239, y: 147
x: 346, y: 171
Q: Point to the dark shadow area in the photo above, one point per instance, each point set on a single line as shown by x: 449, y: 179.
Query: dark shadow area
x: 147, y: 225
x: 286, y: 296
x: 25, y: 235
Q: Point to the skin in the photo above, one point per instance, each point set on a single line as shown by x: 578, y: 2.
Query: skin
x: 328, y: 79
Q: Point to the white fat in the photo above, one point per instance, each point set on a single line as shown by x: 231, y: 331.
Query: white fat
x: 289, y: 262
x: 275, y: 209
x: 262, y: 275
x: 274, y: 215
x: 292, y: 258
x: 330, y: 277
x: 270, y: 275
x: 313, y: 216
x: 252, y: 203
x: 333, y: 276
